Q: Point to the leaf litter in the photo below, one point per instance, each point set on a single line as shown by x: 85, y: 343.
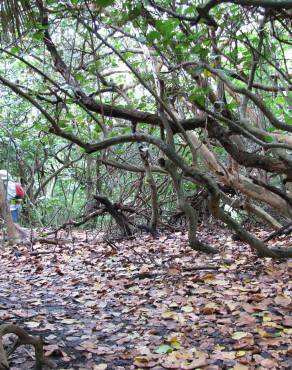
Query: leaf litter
x: 145, y: 303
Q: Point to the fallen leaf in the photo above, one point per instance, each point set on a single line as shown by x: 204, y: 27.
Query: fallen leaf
x: 263, y: 333
x: 240, y: 367
x: 100, y: 367
x: 282, y: 300
x: 164, y: 348
x: 32, y: 324
x: 210, y: 308
x: 144, y: 362
x: 287, y: 321
x: 187, y: 309
x: 69, y: 321
x: 239, y: 335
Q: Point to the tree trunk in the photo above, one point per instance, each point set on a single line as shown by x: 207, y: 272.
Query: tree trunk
x: 190, y: 212
x: 144, y: 154
x: 118, y: 216
x: 89, y: 183
x: 12, y: 233
x: 239, y: 182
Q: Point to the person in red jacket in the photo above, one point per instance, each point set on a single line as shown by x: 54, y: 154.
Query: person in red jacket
x: 14, y: 193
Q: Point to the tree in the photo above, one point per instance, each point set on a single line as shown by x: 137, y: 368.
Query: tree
x: 5, y: 213
x: 213, y: 79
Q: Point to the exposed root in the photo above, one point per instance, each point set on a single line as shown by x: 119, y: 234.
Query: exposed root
x: 23, y: 338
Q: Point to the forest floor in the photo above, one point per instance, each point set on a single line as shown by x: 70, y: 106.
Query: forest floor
x: 145, y: 303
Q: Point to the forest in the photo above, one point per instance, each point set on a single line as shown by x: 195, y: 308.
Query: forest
x: 145, y: 184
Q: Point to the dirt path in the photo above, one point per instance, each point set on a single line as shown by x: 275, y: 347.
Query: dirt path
x: 138, y: 304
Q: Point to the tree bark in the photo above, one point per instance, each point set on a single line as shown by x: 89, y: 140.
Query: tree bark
x: 23, y: 338
x: 240, y: 182
x: 120, y: 219
x: 12, y: 233
x: 153, y: 189
x: 190, y: 212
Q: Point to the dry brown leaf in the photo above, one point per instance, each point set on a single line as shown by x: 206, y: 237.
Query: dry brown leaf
x: 239, y: 335
x: 144, y: 362
x: 245, y: 342
x: 287, y: 321
x: 210, y: 308
x: 100, y: 367
x: 198, y: 362
x: 283, y: 301
x: 240, y: 367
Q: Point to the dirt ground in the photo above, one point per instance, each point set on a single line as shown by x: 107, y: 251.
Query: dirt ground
x: 149, y: 303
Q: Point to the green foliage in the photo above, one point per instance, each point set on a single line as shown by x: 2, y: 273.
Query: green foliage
x: 153, y: 35
x: 167, y: 54
x: 200, y: 50
x: 164, y: 348
x: 199, y: 97
x: 167, y: 27
x: 104, y: 3
x: 268, y: 139
x: 288, y: 119
x: 38, y: 35
x: 219, y: 150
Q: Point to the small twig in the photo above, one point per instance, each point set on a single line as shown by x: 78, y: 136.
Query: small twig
x: 50, y: 241
x: 150, y: 275
x: 111, y: 244
x: 41, y: 252
x: 286, y: 229
x: 197, y: 268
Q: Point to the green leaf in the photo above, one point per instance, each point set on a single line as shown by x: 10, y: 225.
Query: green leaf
x: 14, y: 50
x: 153, y: 35
x: 69, y: 115
x: 200, y: 50
x: 104, y: 3
x: 268, y: 139
x: 190, y: 10
x: 80, y: 77
x: 271, y: 129
x: 166, y: 27
x: 219, y: 150
x: 62, y: 123
x: 68, y: 129
x: 232, y: 105
x: 199, y: 97
x: 39, y: 35
x: 288, y: 119
x: 164, y: 348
